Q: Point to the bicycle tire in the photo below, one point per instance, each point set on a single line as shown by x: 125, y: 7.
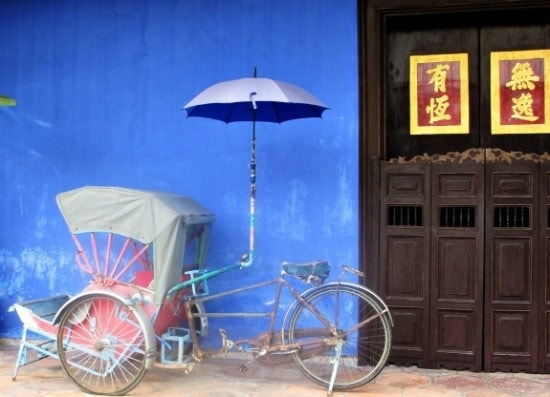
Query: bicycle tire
x: 365, y: 350
x: 101, y: 345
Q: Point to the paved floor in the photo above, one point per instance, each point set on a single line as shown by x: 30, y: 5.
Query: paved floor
x: 218, y: 377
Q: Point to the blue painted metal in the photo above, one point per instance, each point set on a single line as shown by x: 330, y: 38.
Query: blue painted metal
x: 38, y: 340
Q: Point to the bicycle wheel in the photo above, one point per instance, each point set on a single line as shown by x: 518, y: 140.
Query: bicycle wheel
x: 358, y: 320
x: 101, y: 345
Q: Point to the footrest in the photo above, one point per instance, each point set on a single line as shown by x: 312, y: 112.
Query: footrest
x: 176, y: 345
x: 313, y: 272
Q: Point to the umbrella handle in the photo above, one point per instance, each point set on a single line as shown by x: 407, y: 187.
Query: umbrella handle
x: 254, y: 106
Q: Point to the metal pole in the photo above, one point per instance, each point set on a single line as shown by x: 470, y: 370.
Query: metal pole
x: 247, y: 261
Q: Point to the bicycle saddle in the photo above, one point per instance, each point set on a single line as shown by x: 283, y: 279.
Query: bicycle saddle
x: 312, y: 272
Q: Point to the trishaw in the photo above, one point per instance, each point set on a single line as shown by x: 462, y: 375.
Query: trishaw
x: 146, y: 303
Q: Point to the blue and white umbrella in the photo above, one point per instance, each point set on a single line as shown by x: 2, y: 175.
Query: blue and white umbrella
x: 254, y: 99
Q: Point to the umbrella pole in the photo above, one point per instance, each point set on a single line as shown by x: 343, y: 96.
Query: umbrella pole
x: 248, y: 259
x: 252, y: 228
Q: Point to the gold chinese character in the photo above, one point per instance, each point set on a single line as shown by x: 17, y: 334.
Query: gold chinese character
x: 523, y: 108
x: 439, y: 77
x: 437, y: 108
x: 522, y: 77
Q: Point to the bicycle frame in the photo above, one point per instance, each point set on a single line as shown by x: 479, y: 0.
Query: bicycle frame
x: 269, y: 343
x: 324, y: 341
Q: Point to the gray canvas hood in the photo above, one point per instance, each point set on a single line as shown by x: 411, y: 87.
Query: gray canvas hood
x: 150, y: 217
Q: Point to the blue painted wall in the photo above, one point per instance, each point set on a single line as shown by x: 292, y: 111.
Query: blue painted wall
x: 100, y: 86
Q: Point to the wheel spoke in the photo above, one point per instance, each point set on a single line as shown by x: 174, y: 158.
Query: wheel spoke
x: 102, y: 345
x: 363, y: 331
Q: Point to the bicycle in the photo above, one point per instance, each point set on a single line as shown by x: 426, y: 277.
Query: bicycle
x: 323, y: 337
x: 338, y: 333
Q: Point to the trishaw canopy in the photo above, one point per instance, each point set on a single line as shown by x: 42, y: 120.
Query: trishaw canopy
x: 160, y: 218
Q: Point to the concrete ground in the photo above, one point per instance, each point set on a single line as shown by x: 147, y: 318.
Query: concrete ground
x: 219, y: 377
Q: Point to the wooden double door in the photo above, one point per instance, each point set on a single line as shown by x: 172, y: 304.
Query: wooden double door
x: 464, y: 260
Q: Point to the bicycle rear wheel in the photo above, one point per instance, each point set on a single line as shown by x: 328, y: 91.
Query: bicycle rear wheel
x: 360, y: 322
x: 101, y: 345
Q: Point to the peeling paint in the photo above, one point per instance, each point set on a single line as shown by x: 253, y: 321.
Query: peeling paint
x: 230, y: 202
x: 41, y: 123
x: 50, y: 269
x: 345, y: 202
x: 35, y: 153
x: 339, y: 214
x: 291, y: 220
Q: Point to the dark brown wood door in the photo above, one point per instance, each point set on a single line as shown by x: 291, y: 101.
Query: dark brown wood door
x: 404, y: 41
x: 404, y: 255
x: 527, y: 33
x: 512, y: 268
x: 464, y: 262
x: 468, y: 294
x: 431, y: 260
x: 544, y: 293
x: 477, y: 36
x: 446, y: 290
x: 456, y: 266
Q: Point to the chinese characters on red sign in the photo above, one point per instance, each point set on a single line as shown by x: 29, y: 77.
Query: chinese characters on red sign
x: 520, y: 92
x: 439, y: 94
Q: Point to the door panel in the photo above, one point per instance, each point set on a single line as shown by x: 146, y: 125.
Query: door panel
x: 456, y: 263
x: 464, y: 261
x: 544, y: 311
x: 404, y: 250
x: 511, y: 264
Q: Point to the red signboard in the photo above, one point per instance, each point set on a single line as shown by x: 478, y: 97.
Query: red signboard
x: 439, y: 102
x: 520, y: 92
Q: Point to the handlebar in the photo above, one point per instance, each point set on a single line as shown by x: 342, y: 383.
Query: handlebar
x: 346, y: 268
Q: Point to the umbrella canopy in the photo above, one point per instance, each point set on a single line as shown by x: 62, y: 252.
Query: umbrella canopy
x: 255, y: 99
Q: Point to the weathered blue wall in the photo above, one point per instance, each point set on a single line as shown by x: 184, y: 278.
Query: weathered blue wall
x: 100, y: 86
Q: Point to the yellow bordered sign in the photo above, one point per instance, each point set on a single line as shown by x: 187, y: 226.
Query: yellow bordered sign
x: 520, y: 92
x: 439, y: 96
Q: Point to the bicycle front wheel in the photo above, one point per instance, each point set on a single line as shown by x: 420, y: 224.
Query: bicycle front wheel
x: 359, y: 323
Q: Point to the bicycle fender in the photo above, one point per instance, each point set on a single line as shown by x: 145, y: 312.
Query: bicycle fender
x: 368, y: 291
